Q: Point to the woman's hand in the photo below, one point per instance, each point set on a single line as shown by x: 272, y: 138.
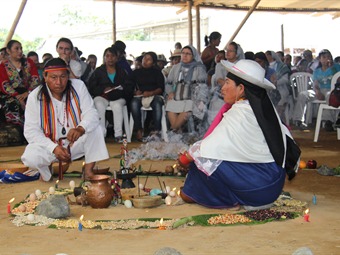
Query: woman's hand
x: 22, y: 99
x: 184, y: 159
x: 171, y: 96
x: 148, y: 93
x: 138, y: 92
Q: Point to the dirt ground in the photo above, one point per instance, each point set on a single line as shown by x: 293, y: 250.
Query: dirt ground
x: 321, y: 234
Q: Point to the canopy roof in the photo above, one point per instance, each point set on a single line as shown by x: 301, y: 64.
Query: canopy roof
x: 329, y: 6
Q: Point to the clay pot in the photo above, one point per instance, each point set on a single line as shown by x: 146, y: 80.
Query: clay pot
x: 99, y: 193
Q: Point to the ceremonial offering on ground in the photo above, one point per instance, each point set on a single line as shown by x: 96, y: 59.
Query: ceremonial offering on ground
x: 147, y: 201
x: 80, y: 225
x: 161, y: 226
x: 168, y: 200
x: 99, y: 193
x: 72, y: 185
x: 9, y: 205
x: 306, y: 215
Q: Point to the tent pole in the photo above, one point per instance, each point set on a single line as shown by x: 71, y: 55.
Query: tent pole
x: 114, y: 32
x: 16, y: 21
x: 282, y: 39
x: 189, y: 2
x: 198, y: 28
x: 243, y: 22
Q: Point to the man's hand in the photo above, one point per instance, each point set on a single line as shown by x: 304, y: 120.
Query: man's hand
x: 74, y: 134
x: 62, y: 154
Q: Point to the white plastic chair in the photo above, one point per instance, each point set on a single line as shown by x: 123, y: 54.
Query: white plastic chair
x: 302, y: 81
x: 164, y: 126
x: 325, y: 106
x: 126, y: 122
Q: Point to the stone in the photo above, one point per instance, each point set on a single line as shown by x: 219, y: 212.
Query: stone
x: 167, y: 251
x: 303, y: 251
x: 55, y: 207
x: 325, y: 170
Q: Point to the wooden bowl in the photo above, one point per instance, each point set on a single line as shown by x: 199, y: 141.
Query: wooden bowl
x: 13, y: 167
x: 147, y: 201
x: 101, y: 169
x: 55, y: 167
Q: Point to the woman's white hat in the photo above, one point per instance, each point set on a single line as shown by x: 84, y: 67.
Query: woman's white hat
x: 250, y: 71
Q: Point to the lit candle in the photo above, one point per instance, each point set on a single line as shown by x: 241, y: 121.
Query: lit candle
x: 56, y: 184
x: 306, y: 215
x: 83, y: 171
x: 9, y: 205
x: 168, y: 200
x: 80, y: 225
x: 161, y: 227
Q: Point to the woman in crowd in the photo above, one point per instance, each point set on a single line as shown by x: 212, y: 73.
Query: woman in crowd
x: 282, y: 81
x: 233, y: 166
x: 209, y: 53
x: 233, y: 54
x: 187, y: 89
x: 18, y: 76
x: 147, y: 86
x: 106, y: 86
x: 270, y: 75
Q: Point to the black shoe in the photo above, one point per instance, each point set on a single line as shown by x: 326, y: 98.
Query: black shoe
x: 118, y: 139
x: 329, y: 126
x: 301, y: 125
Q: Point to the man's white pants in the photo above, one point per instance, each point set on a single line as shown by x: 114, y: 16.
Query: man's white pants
x: 92, y: 145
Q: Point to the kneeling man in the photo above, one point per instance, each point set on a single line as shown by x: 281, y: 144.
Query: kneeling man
x: 61, y: 123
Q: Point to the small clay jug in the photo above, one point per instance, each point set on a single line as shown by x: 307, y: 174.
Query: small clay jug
x: 99, y: 193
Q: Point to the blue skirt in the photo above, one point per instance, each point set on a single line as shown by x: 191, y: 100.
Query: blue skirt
x: 233, y: 183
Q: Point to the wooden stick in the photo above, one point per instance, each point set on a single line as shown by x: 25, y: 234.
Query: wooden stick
x: 138, y: 187
x: 160, y: 185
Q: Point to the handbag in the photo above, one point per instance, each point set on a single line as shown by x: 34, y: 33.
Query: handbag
x: 182, y: 91
x: 334, y: 97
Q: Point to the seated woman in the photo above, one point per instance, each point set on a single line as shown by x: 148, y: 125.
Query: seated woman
x: 18, y: 76
x: 107, y: 85
x: 270, y: 75
x: 245, y: 155
x: 187, y: 91
x: 147, y: 86
x: 282, y: 82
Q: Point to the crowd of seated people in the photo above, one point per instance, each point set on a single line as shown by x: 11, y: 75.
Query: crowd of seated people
x: 187, y: 87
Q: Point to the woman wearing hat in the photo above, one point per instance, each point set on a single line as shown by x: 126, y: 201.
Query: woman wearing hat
x: 245, y: 155
x: 174, y: 59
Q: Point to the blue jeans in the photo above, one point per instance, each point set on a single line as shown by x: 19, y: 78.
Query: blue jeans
x: 156, y: 105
